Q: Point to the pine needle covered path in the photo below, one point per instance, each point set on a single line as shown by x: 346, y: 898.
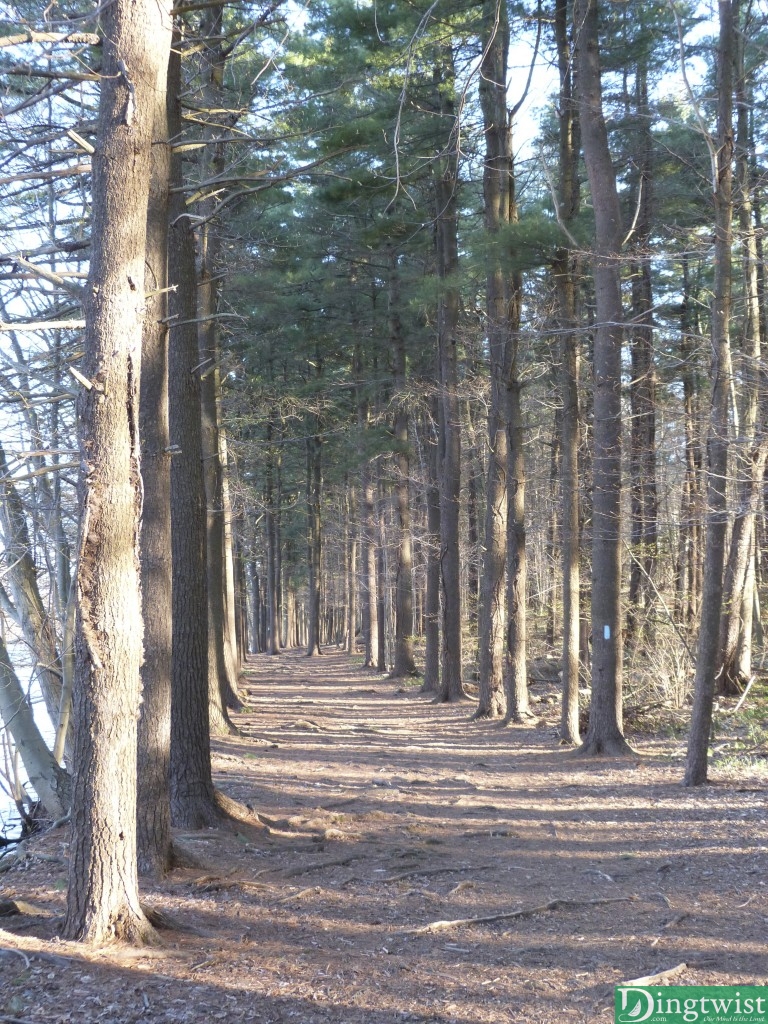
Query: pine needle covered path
x: 407, y: 864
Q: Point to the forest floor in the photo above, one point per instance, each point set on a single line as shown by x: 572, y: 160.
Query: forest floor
x: 409, y: 865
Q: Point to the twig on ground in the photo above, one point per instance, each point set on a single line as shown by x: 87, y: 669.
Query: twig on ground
x: 656, y: 979
x: 434, y: 871
x: 438, y: 926
x: 340, y: 862
x: 18, y: 952
x: 312, y: 890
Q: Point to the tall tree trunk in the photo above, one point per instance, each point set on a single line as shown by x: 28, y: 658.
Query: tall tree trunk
x: 222, y: 675
x: 565, y: 275
x: 434, y: 434
x: 642, y: 391
x: 193, y: 800
x: 751, y: 448
x: 155, y: 850
x: 404, y: 661
x: 497, y: 195
x: 447, y: 251
x: 222, y: 660
x: 688, y: 569
x: 382, y: 590
x: 314, y: 538
x: 271, y: 542
x: 516, y: 674
x: 604, y: 734
x: 350, y: 502
x: 103, y: 895
x: 717, y: 439
x: 565, y: 272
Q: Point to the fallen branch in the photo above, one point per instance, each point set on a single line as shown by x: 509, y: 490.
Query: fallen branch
x: 341, y: 862
x: 656, y: 979
x: 460, y: 922
x: 210, y: 884
x: 434, y: 871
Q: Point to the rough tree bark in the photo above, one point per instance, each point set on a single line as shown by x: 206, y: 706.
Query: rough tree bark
x: 404, y: 660
x: 193, y: 801
x: 642, y: 390
x: 222, y: 674
x: 516, y: 673
x: 565, y: 272
x: 447, y: 253
x: 717, y: 439
x: 434, y: 436
x: 367, y: 516
x: 497, y: 194
x: 314, y: 536
x: 604, y: 733
x: 223, y: 667
x: 688, y: 581
x: 102, y: 895
x: 734, y: 668
x: 155, y: 848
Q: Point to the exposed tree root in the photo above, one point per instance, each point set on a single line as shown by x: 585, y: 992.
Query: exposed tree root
x: 340, y: 862
x: 234, y: 810
x: 461, y: 922
x: 614, y: 746
x: 486, y: 714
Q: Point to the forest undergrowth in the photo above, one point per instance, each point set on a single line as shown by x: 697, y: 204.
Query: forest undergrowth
x: 407, y: 864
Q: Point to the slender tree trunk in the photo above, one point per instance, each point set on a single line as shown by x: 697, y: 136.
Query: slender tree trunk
x: 642, y: 453
x: 570, y: 527
x: 103, y: 895
x: 446, y: 237
x: 404, y: 661
x: 431, y: 682
x: 565, y: 273
x: 474, y: 475
x: 270, y: 537
x: 350, y: 502
x: 193, y: 800
x: 604, y: 734
x: 751, y: 447
x: 551, y: 575
x: 37, y: 626
x: 230, y: 591
x: 688, y: 574
x: 717, y: 439
x: 155, y: 850
x: 222, y: 661
x: 497, y: 194
x: 314, y: 539
x: 50, y: 782
x: 222, y: 680
x: 516, y: 676
x: 382, y: 589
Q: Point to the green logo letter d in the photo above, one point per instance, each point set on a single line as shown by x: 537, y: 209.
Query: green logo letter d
x: 641, y: 1010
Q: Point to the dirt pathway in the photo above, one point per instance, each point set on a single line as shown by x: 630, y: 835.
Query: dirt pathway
x: 382, y: 819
